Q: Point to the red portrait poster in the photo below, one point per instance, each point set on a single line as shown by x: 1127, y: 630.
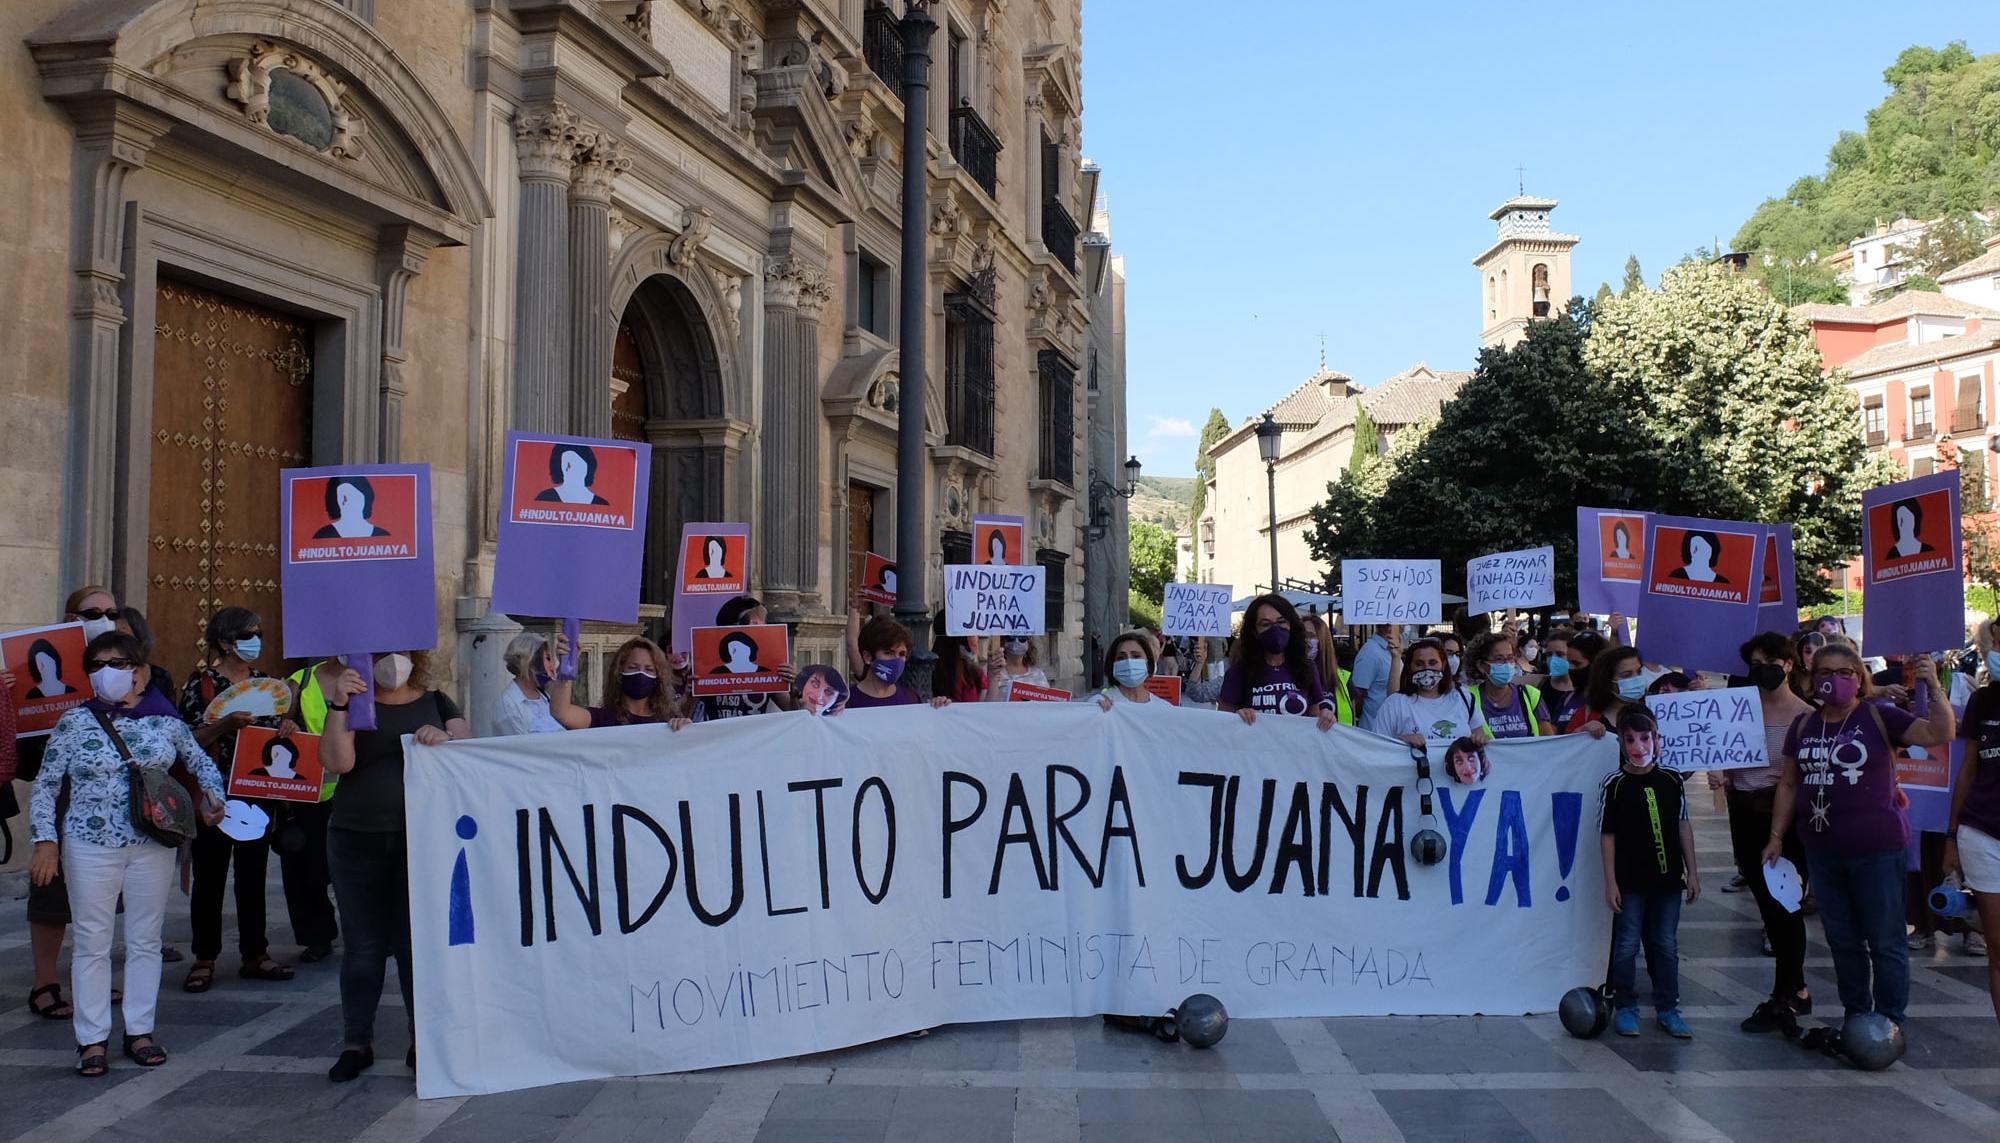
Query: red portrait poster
x: 1029, y: 692
x: 1165, y: 686
x: 999, y: 540
x: 714, y: 565
x: 274, y: 768
x: 569, y: 483
x: 1912, y: 536
x: 1621, y: 539
x: 878, y: 579
x: 1711, y: 564
x: 49, y: 675
x: 1773, y: 591
x: 1932, y: 772
x: 739, y: 660
x: 352, y: 517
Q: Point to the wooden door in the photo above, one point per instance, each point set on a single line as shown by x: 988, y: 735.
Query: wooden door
x: 232, y: 405
x: 860, y: 532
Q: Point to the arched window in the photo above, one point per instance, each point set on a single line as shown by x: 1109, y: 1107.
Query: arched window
x: 1541, y: 286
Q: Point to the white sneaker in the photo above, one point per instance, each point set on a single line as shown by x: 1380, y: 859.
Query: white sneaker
x: 1920, y: 941
x: 1975, y: 945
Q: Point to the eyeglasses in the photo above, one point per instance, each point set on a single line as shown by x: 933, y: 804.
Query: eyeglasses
x: 115, y: 664
x: 95, y: 613
x: 1836, y: 673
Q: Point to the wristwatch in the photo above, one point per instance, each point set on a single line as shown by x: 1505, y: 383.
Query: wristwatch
x: 342, y: 707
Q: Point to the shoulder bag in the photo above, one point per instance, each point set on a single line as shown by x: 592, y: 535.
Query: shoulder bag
x: 162, y: 808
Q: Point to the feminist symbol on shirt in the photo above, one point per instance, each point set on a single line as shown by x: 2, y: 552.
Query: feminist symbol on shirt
x: 1851, y: 757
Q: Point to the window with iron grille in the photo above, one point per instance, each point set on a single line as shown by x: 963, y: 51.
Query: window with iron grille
x: 1054, y: 565
x: 968, y: 365
x: 1058, y: 417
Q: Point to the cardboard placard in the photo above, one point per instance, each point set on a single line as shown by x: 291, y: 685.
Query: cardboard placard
x: 878, y: 579
x: 1199, y: 610
x: 999, y: 540
x: 1029, y: 692
x: 740, y: 660
x: 279, y: 769
x: 1390, y: 591
x: 1912, y: 589
x: 980, y: 599
x: 1610, y: 560
x: 1165, y: 686
x: 50, y: 675
x: 1508, y: 580
x: 1703, y: 585
x: 720, y: 555
x: 357, y: 573
x: 572, y: 538
x: 1710, y: 730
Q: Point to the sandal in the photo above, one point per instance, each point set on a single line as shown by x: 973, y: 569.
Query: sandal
x: 147, y: 1055
x: 56, y: 1009
x: 264, y: 968
x: 92, y: 1060
x: 200, y: 978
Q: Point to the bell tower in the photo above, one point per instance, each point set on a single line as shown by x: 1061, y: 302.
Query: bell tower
x: 1524, y: 275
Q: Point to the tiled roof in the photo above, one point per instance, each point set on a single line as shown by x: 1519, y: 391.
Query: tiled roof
x: 1410, y: 396
x: 1987, y: 263
x: 1903, y: 355
x: 1909, y: 303
x: 1413, y: 395
x: 1308, y: 403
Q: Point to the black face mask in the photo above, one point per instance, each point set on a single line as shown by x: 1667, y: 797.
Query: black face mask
x: 1767, y: 676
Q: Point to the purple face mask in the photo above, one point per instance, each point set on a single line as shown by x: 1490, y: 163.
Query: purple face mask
x: 1836, y: 691
x: 1274, y: 639
x: 1312, y: 649
x: 637, y: 684
x: 888, y: 670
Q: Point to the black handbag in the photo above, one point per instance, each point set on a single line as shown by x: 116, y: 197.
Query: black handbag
x: 162, y: 808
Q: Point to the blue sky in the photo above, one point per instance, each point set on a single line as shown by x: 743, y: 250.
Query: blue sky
x: 1281, y: 169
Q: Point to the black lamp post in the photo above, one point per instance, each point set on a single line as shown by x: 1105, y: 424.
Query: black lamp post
x: 911, y: 516
x: 1101, y: 490
x: 1268, y: 435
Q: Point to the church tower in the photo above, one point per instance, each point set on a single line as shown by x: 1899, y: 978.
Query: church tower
x: 1524, y: 275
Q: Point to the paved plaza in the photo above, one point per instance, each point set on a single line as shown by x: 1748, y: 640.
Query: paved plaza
x: 250, y: 1063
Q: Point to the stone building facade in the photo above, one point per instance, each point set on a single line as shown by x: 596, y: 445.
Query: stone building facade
x: 246, y: 235
x: 1107, y: 528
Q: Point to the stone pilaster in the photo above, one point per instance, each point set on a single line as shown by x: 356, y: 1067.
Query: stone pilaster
x: 399, y: 258
x: 795, y: 295
x: 545, y: 141
x: 599, y: 162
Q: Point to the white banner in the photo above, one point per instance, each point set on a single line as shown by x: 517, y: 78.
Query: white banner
x: 1196, y: 609
x: 993, y: 599
x: 1504, y: 580
x: 632, y: 900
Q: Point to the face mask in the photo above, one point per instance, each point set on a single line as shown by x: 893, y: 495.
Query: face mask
x: 1274, y: 640
x: 1632, y: 689
x: 1452, y: 662
x: 888, y: 670
x: 1014, y: 648
x: 111, y: 684
x: 966, y: 654
x: 92, y: 628
x: 1129, y: 672
x: 1640, y: 758
x: 248, y: 649
x: 1425, y: 680
x: 1767, y: 676
x: 1836, y: 691
x: 1993, y: 663
x: 1312, y: 651
x: 392, y: 671
x: 1501, y: 674
x: 1530, y: 651
x: 637, y: 684
x: 1558, y: 667
x: 543, y: 679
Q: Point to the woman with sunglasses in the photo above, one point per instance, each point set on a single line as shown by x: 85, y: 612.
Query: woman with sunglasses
x: 1839, y: 786
x: 102, y: 856
x: 235, y: 640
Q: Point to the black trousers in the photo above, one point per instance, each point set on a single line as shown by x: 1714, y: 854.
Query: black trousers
x: 308, y: 885
x: 1749, y: 829
x: 214, y: 852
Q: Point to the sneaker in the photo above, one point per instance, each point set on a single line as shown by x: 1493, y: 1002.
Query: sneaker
x: 1801, y: 1005
x: 1735, y: 884
x: 1975, y: 945
x: 1625, y: 1022
x: 1773, y: 1015
x: 1918, y: 942
x: 1672, y: 1024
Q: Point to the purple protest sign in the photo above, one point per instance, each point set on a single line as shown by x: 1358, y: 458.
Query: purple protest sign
x: 1701, y: 590
x: 572, y: 527
x: 361, y: 707
x: 714, y: 565
x: 357, y: 568
x: 1609, y: 564
x: 1912, y: 586
x: 1777, y: 602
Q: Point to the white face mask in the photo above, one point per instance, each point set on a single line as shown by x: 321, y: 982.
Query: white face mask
x: 111, y: 684
x: 92, y: 628
x: 392, y: 671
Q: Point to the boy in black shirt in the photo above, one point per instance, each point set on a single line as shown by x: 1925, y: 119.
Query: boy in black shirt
x: 1648, y: 860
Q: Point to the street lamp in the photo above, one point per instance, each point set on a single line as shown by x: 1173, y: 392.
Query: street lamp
x: 1268, y: 435
x: 911, y: 552
x: 1100, y: 490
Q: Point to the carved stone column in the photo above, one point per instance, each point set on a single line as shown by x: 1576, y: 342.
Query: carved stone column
x: 599, y: 162
x: 545, y: 141
x: 112, y: 140
x: 795, y: 295
x: 399, y: 258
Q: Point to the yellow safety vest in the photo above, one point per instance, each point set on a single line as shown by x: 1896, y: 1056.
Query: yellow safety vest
x: 312, y: 716
x: 1529, y: 697
x: 1343, y: 700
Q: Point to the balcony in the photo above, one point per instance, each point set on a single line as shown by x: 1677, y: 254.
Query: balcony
x: 882, y: 47
x: 1920, y: 431
x: 1059, y: 232
x: 975, y: 147
x: 1876, y: 438
x: 1967, y: 420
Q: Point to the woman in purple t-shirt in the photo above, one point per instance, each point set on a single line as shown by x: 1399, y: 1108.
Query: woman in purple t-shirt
x: 885, y: 649
x: 1269, y: 672
x: 1972, y: 838
x: 1855, y: 835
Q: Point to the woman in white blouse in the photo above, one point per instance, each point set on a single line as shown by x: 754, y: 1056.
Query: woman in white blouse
x: 1128, y: 663
x: 524, y: 702
x: 100, y: 853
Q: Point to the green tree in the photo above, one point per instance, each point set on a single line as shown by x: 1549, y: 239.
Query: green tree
x: 1603, y: 291
x: 1950, y: 242
x: 1204, y: 467
x: 1367, y: 440
x: 1152, y: 556
x: 1634, y: 279
x: 1529, y: 438
x: 1731, y: 384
